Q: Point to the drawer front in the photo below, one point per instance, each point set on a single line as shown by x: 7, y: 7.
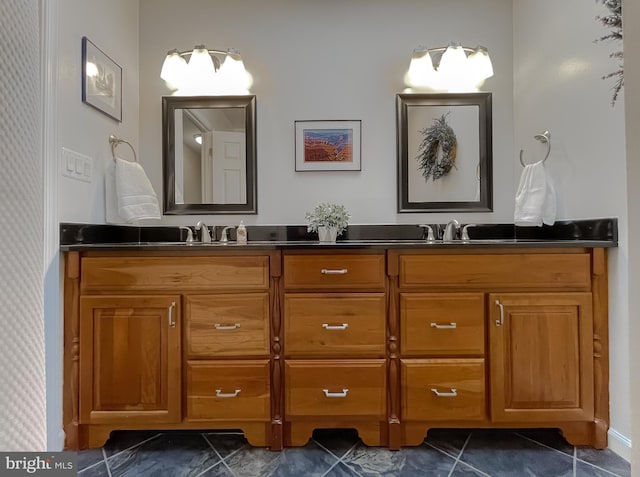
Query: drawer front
x: 183, y: 273
x: 334, y: 271
x: 496, y: 270
x: 227, y: 325
x: 444, y: 324
x: 334, y: 324
x: 335, y: 388
x: 228, y: 390
x: 447, y: 389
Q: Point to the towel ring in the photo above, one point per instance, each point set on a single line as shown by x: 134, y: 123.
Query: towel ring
x: 545, y: 137
x: 114, y: 142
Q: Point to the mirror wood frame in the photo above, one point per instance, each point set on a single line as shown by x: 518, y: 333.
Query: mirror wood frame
x: 169, y: 105
x: 484, y: 154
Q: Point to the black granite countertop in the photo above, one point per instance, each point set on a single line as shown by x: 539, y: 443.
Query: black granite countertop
x: 590, y: 233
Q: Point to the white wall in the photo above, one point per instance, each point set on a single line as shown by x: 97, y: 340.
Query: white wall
x: 22, y: 374
x: 327, y: 60
x: 558, y: 86
x: 632, y: 105
x: 113, y: 27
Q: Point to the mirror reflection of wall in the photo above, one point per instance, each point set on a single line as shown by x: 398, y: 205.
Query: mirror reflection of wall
x: 209, y: 154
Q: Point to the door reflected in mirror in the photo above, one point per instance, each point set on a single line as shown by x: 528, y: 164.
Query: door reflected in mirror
x: 209, y: 155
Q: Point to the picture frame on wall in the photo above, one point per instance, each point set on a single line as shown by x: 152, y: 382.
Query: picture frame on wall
x: 328, y: 145
x: 444, y: 145
x: 101, y: 81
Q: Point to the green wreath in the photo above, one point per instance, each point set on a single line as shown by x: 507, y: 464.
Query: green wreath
x: 438, y: 137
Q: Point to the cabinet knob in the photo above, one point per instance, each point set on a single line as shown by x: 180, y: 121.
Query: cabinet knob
x: 327, y: 271
x: 452, y: 393
x: 218, y: 326
x: 500, y: 322
x: 172, y: 322
x: 342, y: 394
x: 450, y: 326
x: 220, y: 394
x: 329, y: 327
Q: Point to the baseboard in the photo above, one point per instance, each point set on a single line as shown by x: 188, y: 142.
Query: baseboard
x: 620, y: 444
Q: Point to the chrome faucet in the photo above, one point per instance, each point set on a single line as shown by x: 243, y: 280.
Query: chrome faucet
x: 450, y: 230
x: 223, y: 235
x: 205, y: 237
x: 428, y: 231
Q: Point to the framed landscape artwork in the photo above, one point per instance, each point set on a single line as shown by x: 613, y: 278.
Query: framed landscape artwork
x: 328, y: 145
x: 101, y: 81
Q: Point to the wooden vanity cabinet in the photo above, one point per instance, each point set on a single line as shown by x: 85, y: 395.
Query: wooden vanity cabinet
x: 501, y: 338
x: 389, y: 341
x: 335, y: 371
x: 161, y: 340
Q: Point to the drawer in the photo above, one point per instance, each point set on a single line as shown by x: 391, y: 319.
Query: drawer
x: 445, y: 324
x: 334, y: 271
x: 228, y: 390
x: 175, y: 273
x: 334, y: 324
x: 514, y: 270
x: 227, y: 325
x: 443, y: 389
x: 335, y: 388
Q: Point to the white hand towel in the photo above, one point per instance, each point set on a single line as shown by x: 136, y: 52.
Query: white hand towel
x: 110, y: 196
x: 535, y: 198
x: 136, y: 198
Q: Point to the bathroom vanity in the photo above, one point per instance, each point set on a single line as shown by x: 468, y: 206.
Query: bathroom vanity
x: 391, y: 338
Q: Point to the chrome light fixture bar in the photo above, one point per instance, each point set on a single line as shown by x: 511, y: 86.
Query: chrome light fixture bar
x: 207, y: 71
x: 450, y: 68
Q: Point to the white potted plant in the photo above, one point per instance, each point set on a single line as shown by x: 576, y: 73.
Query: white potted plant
x: 329, y: 220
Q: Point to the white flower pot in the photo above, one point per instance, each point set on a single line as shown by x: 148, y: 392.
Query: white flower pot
x: 327, y: 234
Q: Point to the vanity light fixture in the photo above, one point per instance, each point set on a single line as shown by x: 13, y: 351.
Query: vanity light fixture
x: 453, y: 68
x: 207, y: 72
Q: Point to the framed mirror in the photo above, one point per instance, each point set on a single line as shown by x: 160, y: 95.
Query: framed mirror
x: 209, y: 155
x: 444, y: 144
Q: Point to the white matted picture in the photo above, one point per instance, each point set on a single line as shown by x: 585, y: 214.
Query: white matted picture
x: 328, y: 145
x: 101, y: 81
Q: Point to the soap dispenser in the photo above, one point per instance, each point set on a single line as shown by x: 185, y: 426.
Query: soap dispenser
x: 241, y: 234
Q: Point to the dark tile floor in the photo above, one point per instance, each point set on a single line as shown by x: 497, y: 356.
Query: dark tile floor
x: 339, y: 453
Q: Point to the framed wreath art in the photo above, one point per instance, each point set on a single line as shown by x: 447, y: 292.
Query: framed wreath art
x: 444, y: 152
x: 437, y: 151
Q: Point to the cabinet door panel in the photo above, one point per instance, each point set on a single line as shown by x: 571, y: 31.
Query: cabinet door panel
x: 130, y: 359
x: 541, y: 356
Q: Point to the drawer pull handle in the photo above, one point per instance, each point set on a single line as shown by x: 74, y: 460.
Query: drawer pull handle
x: 450, y: 326
x: 500, y: 322
x: 218, y: 326
x: 172, y: 322
x: 328, y: 394
x: 453, y: 393
x: 220, y: 394
x: 326, y: 271
x: 329, y: 327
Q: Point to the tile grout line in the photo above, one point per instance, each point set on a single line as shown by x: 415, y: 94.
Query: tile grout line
x: 575, y: 456
x: 106, y: 463
x: 220, y: 459
x: 464, y: 446
x: 339, y: 459
x: 133, y: 446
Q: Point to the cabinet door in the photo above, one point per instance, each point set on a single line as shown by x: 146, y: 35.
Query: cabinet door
x: 130, y: 359
x: 541, y: 354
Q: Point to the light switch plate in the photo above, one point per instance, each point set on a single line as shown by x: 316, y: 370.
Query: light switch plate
x: 75, y: 165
